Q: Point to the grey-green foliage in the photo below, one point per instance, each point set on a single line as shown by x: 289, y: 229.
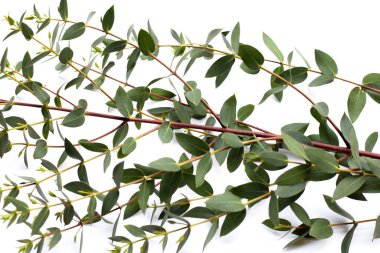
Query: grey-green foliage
x: 183, y: 117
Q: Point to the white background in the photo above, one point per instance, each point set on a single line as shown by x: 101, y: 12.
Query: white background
x: 347, y: 30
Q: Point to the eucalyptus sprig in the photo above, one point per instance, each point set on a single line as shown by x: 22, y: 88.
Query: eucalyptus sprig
x: 207, y: 137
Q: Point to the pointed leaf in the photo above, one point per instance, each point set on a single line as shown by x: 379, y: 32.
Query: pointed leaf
x: 40, y: 220
x: 325, y: 63
x: 203, y: 168
x: 226, y: 202
x: 146, y: 42
x: 123, y: 103
x: 192, y: 144
x: 355, y: 103
x: 74, y: 31
x: 108, y: 19
x: 273, y: 47
x: 165, y: 164
x: 348, y: 186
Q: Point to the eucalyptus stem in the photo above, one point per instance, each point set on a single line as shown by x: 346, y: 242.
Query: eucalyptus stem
x: 75, y: 68
x: 77, y: 164
x: 325, y: 146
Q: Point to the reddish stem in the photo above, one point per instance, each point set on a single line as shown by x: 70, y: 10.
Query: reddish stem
x: 203, y: 127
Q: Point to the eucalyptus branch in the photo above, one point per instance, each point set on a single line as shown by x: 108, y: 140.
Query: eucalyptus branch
x: 180, y: 117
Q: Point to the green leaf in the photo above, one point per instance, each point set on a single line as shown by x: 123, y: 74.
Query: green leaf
x: 294, y: 146
x: 20, y: 205
x: 283, y: 226
x: 273, y: 47
x: 204, y: 190
x: 376, y: 232
x: 235, y: 38
x: 4, y: 60
x: 228, y: 112
x: 57, y: 236
x: 27, y: 66
x: 322, y: 108
x: 75, y: 118
x: 132, y: 208
x: 132, y: 60
x: 245, y: 111
x: 232, y: 140
x: 220, y: 66
x: 40, y: 220
x: 93, y: 146
x: 183, y: 114
x: 79, y: 187
x: 40, y: 150
x: 118, y: 174
x: 91, y: 209
x: 232, y: 221
x: 346, y: 126
x: 74, y: 31
x: 345, y: 247
x: 192, y: 144
x: 212, y: 34
x: 322, y: 160
x: 371, y: 141
x: 294, y: 175
x: 120, y: 134
x: 251, y: 57
x: 146, y: 42
x: 194, y: 96
x: 63, y: 9
x: 72, y: 151
x: 123, y: 103
x: 274, y: 160
x: 234, y: 159
x: 135, y: 231
x: 199, y: 212
x: 182, y: 240
x: 322, y: 80
x: 26, y: 31
x: 320, y: 229
x: 162, y: 93
x: 325, y: 63
x: 294, y: 75
x: 256, y: 174
x: 271, y: 92
x: 43, y: 25
x: 296, y: 127
x: 300, y: 213
x: 250, y: 190
x: 169, y: 185
x: 145, y: 189
x: 165, y: 132
x: 165, y: 164
x: 273, y: 209
x: 287, y: 191
x: 348, y: 186
x: 372, y: 80
x: 40, y: 93
x: 336, y: 208
x: 66, y: 55
x: 115, y: 46
x: 214, y: 227
x: 355, y: 103
x: 129, y: 146
x: 68, y: 214
x: 108, y: 19
x: 110, y: 201
x: 203, y: 168
x: 226, y: 202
